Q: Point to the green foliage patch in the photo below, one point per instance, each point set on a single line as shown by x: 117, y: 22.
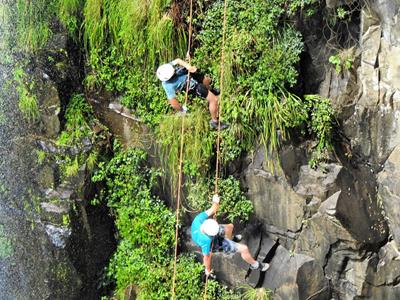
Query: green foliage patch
x: 6, y: 248
x: 261, y: 56
x: 69, y: 13
x: 234, y: 204
x: 28, y: 103
x: 125, y: 42
x: 33, y: 20
x: 78, y: 133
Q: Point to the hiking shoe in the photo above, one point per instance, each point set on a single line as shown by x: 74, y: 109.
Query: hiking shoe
x: 263, y: 267
x: 214, y: 125
x: 237, y: 238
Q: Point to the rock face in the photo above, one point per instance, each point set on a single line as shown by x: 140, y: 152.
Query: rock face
x: 340, y: 223
x: 57, y: 243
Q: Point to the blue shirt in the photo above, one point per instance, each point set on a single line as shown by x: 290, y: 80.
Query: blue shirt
x: 202, y: 240
x: 176, y: 83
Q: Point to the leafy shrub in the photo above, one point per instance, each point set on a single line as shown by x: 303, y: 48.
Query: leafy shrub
x: 69, y: 12
x: 343, y: 60
x: 79, y: 117
x: 234, y: 206
x: 321, y: 125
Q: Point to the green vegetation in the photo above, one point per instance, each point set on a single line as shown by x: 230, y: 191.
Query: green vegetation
x: 6, y: 248
x: 144, y: 257
x: 79, y: 117
x: 343, y: 60
x: 78, y: 133
x: 234, y: 204
x: 199, y: 143
x: 321, y: 125
x: 125, y: 42
x: 261, y: 57
x: 33, y: 20
x: 69, y: 12
x: 41, y: 156
x: 257, y: 294
x: 28, y: 103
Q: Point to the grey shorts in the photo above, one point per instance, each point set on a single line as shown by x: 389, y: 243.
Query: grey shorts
x: 220, y: 243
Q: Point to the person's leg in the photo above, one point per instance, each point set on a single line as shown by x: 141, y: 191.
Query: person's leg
x: 245, y: 254
x: 213, y: 106
x: 228, y: 229
x: 203, y: 92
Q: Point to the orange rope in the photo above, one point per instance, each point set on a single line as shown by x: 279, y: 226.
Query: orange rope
x: 178, y: 201
x: 217, y: 164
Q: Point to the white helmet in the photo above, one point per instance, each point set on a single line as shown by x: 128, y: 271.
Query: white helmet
x: 210, y: 227
x: 165, y: 72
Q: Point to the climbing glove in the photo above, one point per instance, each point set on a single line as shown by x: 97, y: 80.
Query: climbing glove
x: 215, y: 198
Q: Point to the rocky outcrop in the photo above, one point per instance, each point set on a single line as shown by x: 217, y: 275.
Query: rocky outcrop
x: 389, y: 192
x: 368, y: 95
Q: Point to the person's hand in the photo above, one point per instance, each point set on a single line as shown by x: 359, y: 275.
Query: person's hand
x: 210, y: 274
x: 183, y: 111
x: 188, y: 56
x: 215, y: 199
x: 192, y: 69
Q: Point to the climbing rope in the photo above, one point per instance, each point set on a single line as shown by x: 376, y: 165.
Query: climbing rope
x: 221, y: 87
x: 178, y: 201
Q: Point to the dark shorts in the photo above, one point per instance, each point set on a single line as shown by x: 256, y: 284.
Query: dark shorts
x: 199, y: 89
x: 220, y: 243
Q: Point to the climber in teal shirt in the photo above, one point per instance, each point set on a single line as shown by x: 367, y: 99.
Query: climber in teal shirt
x: 204, y: 230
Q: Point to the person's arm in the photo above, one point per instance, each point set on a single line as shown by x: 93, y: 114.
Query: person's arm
x: 184, y: 64
x: 213, y: 209
x: 175, y: 104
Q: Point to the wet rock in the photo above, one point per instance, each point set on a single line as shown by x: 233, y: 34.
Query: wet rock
x: 47, y: 146
x: 115, y: 106
x: 49, y: 104
x: 58, y: 235
x: 46, y: 177
x: 366, y: 100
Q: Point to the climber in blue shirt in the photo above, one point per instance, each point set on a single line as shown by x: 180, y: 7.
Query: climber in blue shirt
x: 204, y: 230
x: 175, y: 79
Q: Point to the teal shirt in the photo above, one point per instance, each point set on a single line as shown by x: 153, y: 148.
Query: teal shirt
x: 177, y: 83
x: 202, y: 240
